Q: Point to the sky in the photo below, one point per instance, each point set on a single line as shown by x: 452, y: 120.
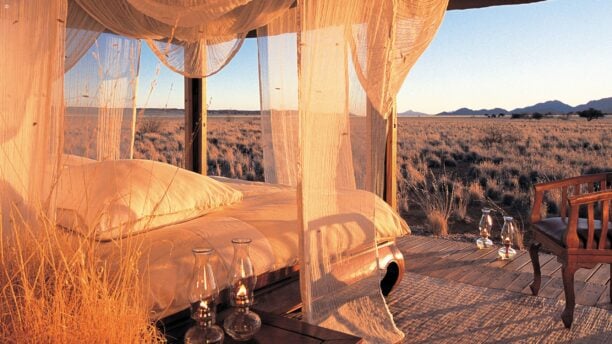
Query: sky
x: 503, y: 56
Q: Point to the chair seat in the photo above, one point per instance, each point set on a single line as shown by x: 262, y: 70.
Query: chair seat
x: 554, y: 228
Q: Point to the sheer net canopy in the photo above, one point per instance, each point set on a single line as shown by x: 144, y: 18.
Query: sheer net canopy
x: 329, y: 72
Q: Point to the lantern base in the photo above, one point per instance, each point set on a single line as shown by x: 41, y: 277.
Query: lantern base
x: 242, y: 324
x: 204, y: 335
x: 484, y: 243
x: 506, y: 253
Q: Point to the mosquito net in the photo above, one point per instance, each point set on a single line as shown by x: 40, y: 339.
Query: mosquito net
x: 326, y: 32
x: 278, y: 85
x: 100, y: 93
x: 329, y: 73
x: 31, y: 107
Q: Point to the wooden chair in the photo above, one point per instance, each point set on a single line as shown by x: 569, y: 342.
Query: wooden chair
x: 577, y: 242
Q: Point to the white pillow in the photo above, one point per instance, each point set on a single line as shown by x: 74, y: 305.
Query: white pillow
x: 111, y: 199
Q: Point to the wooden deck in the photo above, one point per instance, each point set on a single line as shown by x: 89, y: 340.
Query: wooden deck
x: 463, y: 262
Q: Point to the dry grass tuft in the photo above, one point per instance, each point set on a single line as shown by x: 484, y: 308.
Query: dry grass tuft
x: 462, y: 201
x: 438, y: 223
x: 435, y: 197
x: 476, y: 191
x: 55, y: 291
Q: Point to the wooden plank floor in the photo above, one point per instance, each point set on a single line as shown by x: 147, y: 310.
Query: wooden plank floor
x: 463, y: 262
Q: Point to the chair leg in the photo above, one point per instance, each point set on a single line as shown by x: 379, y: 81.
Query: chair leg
x: 535, y: 261
x: 611, y: 283
x: 570, y: 299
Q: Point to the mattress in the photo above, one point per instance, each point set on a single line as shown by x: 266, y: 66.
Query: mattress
x: 268, y: 215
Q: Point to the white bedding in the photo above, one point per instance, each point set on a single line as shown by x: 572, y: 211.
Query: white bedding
x: 268, y: 215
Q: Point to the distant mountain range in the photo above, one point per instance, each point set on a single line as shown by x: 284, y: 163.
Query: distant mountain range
x: 552, y: 106
x: 411, y: 113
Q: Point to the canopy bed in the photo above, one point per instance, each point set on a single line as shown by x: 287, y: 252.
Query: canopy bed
x: 329, y: 72
x: 223, y: 209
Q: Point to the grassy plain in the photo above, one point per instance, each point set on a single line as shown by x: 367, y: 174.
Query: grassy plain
x: 448, y: 168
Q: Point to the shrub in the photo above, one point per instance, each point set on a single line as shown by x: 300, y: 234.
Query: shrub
x: 510, y: 183
x: 473, y: 157
x: 458, y: 156
x: 524, y: 182
x: 512, y: 171
x: 522, y: 203
x: 149, y: 125
x: 591, y: 114
x: 507, y: 199
x: 450, y: 163
x: 433, y: 162
x: 497, y: 160
x: 483, y: 181
x: 493, y: 193
x: 595, y: 169
x: 474, y: 172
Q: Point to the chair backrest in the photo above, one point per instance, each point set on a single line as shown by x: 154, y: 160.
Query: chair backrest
x: 568, y: 187
x: 603, y: 199
x: 582, y: 185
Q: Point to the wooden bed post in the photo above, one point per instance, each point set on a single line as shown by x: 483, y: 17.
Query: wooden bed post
x: 391, y: 160
x: 195, y: 125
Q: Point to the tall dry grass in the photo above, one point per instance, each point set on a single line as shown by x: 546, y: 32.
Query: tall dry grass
x: 435, y: 196
x: 463, y: 197
x: 55, y: 290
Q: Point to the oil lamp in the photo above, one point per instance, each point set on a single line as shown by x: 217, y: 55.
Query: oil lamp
x: 485, y: 226
x: 508, y: 235
x: 203, y: 295
x: 242, y: 323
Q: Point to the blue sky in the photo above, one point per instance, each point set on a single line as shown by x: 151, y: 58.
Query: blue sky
x: 505, y: 56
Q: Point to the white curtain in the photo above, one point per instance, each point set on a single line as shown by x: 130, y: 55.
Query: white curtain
x: 81, y: 33
x: 278, y: 87
x: 31, y: 105
x: 100, y: 95
x: 340, y: 42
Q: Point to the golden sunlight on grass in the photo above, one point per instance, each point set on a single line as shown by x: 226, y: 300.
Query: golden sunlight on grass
x: 55, y: 291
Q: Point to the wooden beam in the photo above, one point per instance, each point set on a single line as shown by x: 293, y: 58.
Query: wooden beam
x: 469, y: 4
x: 457, y: 5
x: 391, y: 160
x: 195, y: 125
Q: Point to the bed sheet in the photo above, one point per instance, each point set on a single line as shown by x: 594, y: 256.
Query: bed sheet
x: 267, y: 215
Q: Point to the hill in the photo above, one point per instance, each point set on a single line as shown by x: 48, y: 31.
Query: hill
x: 604, y: 104
x: 411, y: 113
x: 552, y: 106
x: 470, y: 112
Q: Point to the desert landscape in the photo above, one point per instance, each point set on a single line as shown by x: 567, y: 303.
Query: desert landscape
x: 448, y: 167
